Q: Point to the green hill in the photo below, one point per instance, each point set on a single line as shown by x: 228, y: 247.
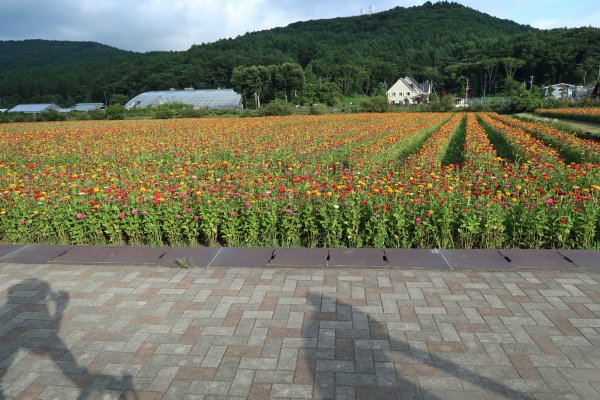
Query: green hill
x: 35, y: 53
x: 443, y: 42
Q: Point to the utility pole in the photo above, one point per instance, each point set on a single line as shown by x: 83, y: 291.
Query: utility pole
x: 531, y: 83
x: 484, y: 84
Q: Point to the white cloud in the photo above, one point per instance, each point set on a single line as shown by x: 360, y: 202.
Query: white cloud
x: 144, y: 25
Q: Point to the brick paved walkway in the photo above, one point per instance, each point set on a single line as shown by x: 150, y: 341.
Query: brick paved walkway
x: 156, y: 332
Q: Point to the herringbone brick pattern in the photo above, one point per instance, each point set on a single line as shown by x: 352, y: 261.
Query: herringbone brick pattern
x: 164, y: 333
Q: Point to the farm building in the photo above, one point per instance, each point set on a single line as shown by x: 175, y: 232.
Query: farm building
x: 409, y: 91
x: 34, y: 108
x: 87, y: 107
x: 213, y: 99
x: 565, y: 90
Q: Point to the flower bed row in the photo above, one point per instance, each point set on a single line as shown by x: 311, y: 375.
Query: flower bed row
x: 290, y: 181
x: 576, y: 149
x: 579, y: 114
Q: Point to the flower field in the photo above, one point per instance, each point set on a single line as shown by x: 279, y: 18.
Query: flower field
x: 363, y: 180
x: 580, y: 114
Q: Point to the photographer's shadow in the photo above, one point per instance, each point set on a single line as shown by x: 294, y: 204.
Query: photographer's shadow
x: 348, y: 354
x: 28, y: 310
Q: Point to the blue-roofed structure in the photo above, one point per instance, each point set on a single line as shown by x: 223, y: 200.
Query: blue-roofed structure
x: 34, y: 108
x: 87, y: 107
x: 213, y: 99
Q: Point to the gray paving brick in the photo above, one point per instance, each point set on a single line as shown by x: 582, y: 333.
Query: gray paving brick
x: 291, y: 391
x: 258, y: 363
x: 209, y: 387
x: 223, y: 332
x: 214, y: 356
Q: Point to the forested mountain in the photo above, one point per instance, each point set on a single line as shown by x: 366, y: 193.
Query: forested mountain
x: 35, y: 53
x: 446, y: 43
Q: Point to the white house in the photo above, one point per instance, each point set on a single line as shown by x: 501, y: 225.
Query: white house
x: 409, y: 91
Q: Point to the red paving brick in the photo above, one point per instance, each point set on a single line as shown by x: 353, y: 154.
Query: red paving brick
x: 259, y: 391
x: 546, y: 345
x: 304, y: 373
x: 414, y: 369
x: 524, y: 366
x: 446, y: 347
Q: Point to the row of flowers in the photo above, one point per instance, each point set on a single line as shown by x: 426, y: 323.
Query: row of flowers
x: 581, y: 114
x: 342, y: 180
x: 578, y: 149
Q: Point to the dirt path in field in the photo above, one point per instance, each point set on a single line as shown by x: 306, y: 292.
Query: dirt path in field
x: 581, y: 126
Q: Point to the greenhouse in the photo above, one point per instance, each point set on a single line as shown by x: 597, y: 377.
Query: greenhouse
x: 213, y: 99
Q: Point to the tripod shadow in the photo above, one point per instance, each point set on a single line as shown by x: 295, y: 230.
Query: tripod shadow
x: 350, y: 355
x: 28, y: 307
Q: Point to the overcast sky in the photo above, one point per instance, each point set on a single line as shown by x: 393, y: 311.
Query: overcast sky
x: 145, y: 25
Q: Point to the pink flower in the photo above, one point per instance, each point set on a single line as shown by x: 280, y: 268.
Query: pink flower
x: 188, y: 210
x: 80, y: 216
x: 122, y: 215
x: 22, y: 222
x: 232, y: 214
x: 196, y: 218
x: 248, y: 205
x: 133, y: 212
x: 178, y: 216
x: 419, y: 220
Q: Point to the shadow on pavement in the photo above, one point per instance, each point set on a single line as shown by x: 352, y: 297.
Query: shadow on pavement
x: 27, y: 324
x: 350, y: 355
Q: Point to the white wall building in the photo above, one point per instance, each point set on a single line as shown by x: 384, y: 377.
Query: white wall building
x: 409, y: 91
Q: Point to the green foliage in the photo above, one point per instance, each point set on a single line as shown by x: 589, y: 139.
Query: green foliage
x: 443, y: 103
x: 261, y: 83
x: 503, y: 148
x: 95, y: 114
x: 51, y: 115
x: 375, y: 104
x: 316, y: 61
x: 118, y: 98
x: 317, y: 109
x: 277, y: 107
x: 523, y: 99
x: 115, y: 111
x: 454, y: 152
x: 23, y: 54
x: 329, y: 93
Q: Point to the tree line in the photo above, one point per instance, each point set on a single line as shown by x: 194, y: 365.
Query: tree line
x: 445, y: 43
